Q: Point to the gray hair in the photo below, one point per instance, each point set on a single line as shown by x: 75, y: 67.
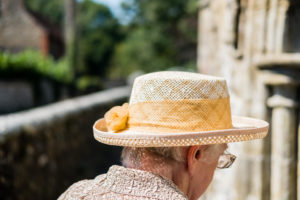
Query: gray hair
x: 133, y: 155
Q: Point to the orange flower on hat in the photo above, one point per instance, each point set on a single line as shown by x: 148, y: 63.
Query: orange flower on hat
x: 116, y: 118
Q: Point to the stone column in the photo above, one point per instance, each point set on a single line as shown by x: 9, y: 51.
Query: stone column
x: 283, y: 147
x: 298, y: 181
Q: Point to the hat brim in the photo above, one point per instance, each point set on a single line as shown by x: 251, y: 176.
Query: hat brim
x: 244, y: 129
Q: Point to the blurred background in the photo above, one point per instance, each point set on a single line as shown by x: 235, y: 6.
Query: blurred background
x: 64, y: 63
x: 51, y: 50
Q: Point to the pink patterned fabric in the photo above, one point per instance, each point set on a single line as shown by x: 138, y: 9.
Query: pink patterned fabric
x: 121, y: 183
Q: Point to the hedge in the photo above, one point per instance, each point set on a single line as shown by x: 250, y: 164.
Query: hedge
x: 30, y: 64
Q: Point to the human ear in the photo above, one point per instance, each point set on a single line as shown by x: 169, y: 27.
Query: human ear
x: 194, y: 154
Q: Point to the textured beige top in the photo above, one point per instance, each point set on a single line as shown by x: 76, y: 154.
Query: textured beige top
x: 121, y: 183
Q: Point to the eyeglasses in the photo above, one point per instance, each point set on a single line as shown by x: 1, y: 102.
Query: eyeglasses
x: 226, y: 160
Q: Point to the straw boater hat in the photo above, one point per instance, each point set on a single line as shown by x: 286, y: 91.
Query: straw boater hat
x: 176, y: 109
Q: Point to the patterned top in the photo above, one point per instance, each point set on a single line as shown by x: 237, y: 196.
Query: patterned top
x: 121, y: 183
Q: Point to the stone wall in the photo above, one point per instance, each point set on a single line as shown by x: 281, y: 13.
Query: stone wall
x: 22, y: 93
x: 15, y: 96
x: 18, y: 30
x: 237, y: 39
x: 44, y: 150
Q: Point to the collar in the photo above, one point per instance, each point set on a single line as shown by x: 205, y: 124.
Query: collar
x: 141, y: 183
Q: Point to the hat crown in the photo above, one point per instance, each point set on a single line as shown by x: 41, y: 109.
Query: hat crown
x: 160, y: 86
x: 176, y: 109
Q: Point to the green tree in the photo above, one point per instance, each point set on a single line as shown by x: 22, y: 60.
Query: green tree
x: 162, y: 34
x: 53, y: 9
x: 99, y: 32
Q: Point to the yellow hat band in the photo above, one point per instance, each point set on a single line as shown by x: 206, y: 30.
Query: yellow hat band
x: 188, y: 115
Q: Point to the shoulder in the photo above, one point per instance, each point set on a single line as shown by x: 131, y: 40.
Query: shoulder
x: 81, y: 188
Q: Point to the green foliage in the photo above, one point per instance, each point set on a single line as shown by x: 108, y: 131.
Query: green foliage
x: 33, y: 63
x: 99, y: 32
x: 85, y: 83
x: 139, y: 52
x: 162, y: 34
x: 52, y: 9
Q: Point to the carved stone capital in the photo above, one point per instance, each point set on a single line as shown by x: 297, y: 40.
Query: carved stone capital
x: 280, y: 101
x: 284, y: 96
x: 279, y: 69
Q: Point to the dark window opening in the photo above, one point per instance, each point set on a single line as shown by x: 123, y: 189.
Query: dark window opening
x: 236, y: 25
x: 0, y: 8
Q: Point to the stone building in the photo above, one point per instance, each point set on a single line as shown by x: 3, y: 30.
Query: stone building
x: 255, y: 44
x: 22, y: 29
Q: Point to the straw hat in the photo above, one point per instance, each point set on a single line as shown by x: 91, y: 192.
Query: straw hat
x: 176, y: 109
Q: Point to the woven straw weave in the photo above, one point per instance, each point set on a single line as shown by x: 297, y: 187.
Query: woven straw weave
x: 178, y: 109
x: 180, y: 116
x: 177, y: 86
x: 179, y: 102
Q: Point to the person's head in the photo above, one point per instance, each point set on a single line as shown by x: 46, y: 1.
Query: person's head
x: 177, y: 125
x: 190, y: 168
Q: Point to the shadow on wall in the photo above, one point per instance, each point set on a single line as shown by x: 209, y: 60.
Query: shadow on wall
x: 43, y: 151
